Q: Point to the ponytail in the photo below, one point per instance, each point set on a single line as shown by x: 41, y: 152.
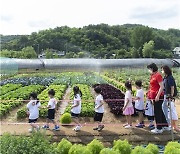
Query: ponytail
x: 37, y: 101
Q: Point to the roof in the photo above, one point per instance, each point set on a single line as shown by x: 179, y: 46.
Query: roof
x: 176, y: 49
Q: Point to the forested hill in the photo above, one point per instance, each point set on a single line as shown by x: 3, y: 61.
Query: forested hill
x: 100, y: 41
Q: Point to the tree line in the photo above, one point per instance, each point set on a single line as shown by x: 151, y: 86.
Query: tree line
x: 94, y: 41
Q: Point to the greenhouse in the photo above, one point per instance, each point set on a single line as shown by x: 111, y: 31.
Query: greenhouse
x: 81, y: 63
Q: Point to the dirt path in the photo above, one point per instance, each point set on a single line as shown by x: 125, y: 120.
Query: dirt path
x: 63, y: 104
x: 110, y: 133
x: 12, y: 115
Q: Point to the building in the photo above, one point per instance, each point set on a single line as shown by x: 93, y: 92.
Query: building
x: 176, y: 52
x: 55, y: 52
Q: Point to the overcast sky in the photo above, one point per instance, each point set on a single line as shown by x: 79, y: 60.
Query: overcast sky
x: 27, y: 16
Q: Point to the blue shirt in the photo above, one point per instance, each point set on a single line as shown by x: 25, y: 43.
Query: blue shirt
x: 168, y: 83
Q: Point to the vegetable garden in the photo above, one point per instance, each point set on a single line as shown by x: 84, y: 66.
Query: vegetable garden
x: 15, y: 92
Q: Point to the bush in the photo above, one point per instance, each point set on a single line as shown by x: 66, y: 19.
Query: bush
x: 153, y: 148
x: 122, y: 146
x: 65, y: 118
x: 109, y: 151
x: 172, y: 148
x: 64, y: 146
x: 95, y: 146
x: 36, y: 144
x: 141, y: 150
x: 79, y: 149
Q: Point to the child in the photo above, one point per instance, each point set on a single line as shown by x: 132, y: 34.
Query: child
x: 128, y: 108
x: 174, y: 116
x: 149, y: 112
x: 99, y: 109
x: 76, y: 107
x: 33, y: 111
x: 139, y: 103
x: 51, y: 111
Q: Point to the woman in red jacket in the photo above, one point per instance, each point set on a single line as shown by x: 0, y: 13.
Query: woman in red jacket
x: 155, y: 94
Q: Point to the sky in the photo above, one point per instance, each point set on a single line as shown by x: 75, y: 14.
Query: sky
x: 27, y: 16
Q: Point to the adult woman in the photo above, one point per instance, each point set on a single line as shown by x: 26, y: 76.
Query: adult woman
x: 155, y: 94
x: 170, y: 91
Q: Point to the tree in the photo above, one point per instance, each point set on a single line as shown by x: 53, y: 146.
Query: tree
x: 49, y: 54
x: 148, y: 49
x: 134, y: 52
x: 120, y: 53
x: 29, y: 52
x: 140, y: 35
x: 81, y: 54
x: 161, y: 54
x: 69, y: 55
x: 55, y: 55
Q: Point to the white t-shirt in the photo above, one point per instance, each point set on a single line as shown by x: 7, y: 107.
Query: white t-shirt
x: 53, y: 103
x: 33, y: 109
x: 77, y: 109
x: 128, y: 96
x: 139, y: 104
x: 98, y: 100
x: 149, y: 109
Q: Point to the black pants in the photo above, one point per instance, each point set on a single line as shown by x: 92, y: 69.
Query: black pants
x: 159, y: 115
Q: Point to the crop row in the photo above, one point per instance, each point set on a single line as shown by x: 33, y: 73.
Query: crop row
x: 78, y: 78
x: 117, y: 84
x: 25, y: 81
x: 87, y: 103
x: 9, y: 87
x: 59, y: 90
x: 20, y: 94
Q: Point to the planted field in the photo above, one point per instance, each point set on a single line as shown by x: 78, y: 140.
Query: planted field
x: 59, y: 89
x: 20, y: 94
x: 9, y: 87
x: 20, y: 86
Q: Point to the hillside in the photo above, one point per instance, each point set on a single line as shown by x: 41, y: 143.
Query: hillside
x: 100, y: 41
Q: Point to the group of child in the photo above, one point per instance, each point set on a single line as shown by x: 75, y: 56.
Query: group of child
x: 141, y: 109
x: 128, y: 109
x: 34, y: 105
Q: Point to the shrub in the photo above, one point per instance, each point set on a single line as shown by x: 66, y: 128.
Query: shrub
x: 36, y: 144
x: 122, y: 146
x: 65, y: 118
x: 79, y: 149
x: 95, y: 146
x: 141, y: 150
x: 64, y: 146
x: 109, y: 151
x: 172, y: 148
x: 153, y: 148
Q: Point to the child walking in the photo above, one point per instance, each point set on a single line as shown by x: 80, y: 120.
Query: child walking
x: 51, y: 111
x: 149, y: 112
x: 33, y: 111
x: 76, y: 107
x: 128, y: 108
x: 99, y: 109
x: 173, y: 117
x: 139, y: 103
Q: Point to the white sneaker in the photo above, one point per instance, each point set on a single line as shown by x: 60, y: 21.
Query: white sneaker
x: 166, y: 128
x: 77, y: 128
x: 157, y: 131
x: 128, y: 126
